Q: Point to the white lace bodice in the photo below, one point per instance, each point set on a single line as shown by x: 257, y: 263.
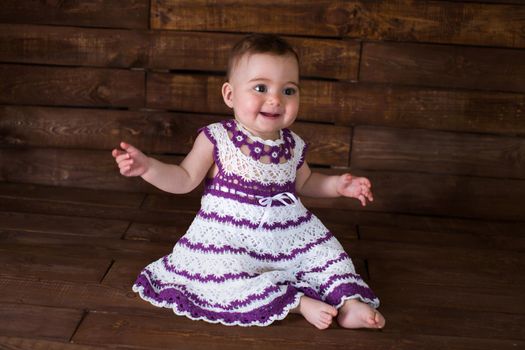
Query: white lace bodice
x: 232, y: 161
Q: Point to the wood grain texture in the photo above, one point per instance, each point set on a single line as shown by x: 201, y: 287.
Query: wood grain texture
x: 443, y: 66
x: 478, y: 238
x: 160, y: 233
x: 130, y: 14
x: 85, y: 246
x: 303, y: 17
x: 470, y: 259
x: 428, y: 108
x: 80, y: 208
x: 398, y: 221
x: 291, y: 332
x: 39, y: 321
x: 438, y: 152
x: 61, y: 224
x: 458, y: 298
x: 429, y: 194
x: 71, y: 195
x: 438, y: 321
x: 81, y: 202
x: 37, y: 85
x: 162, y: 202
x: 33, y: 264
x: 517, y: 2
x: 152, y: 132
x: 73, y: 168
x: 191, y: 93
x: 178, y: 331
x: 57, y: 45
x: 70, y: 294
x: 158, y: 49
x: 25, y: 343
x: 440, y: 22
x: 458, y: 276
x: 327, y: 144
x: 401, y: 20
x: 172, y: 133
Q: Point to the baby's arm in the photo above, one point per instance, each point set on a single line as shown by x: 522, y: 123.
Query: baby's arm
x: 172, y: 178
x: 311, y: 184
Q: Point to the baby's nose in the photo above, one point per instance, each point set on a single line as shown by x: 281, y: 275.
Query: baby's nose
x: 274, y: 99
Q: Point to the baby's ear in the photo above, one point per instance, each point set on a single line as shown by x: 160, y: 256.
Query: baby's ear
x: 227, y: 94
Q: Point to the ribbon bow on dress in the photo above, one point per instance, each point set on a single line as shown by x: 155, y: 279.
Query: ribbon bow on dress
x: 286, y: 198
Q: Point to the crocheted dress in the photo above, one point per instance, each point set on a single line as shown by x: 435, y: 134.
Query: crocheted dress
x: 253, y: 249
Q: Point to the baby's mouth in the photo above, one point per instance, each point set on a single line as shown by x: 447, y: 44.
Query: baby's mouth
x: 270, y: 115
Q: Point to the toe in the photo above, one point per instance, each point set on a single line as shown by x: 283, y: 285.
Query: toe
x: 331, y: 310
x: 380, y: 320
x: 322, y: 325
x: 326, y: 318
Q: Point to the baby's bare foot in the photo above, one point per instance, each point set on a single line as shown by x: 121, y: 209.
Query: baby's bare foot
x: 316, y: 312
x: 355, y: 314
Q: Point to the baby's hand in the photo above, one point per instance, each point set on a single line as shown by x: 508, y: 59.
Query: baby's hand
x: 355, y: 187
x: 130, y: 160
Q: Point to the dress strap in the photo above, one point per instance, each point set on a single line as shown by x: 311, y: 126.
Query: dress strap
x: 211, y: 133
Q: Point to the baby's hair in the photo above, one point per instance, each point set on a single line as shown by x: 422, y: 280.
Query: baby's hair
x: 259, y: 43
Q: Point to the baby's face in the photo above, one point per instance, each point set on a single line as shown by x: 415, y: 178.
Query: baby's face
x: 264, y: 93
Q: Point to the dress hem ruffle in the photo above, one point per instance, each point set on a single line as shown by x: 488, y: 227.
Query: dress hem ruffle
x: 285, y: 310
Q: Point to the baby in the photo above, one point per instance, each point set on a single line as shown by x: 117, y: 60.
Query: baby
x: 254, y: 253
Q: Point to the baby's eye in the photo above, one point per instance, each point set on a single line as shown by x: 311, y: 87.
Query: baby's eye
x: 289, y: 91
x: 260, y: 88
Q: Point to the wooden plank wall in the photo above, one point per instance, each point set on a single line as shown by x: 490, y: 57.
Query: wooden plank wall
x: 427, y: 99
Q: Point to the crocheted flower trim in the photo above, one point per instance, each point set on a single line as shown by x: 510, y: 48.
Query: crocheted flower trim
x: 274, y: 151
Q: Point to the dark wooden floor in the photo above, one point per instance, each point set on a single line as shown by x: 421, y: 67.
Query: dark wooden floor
x: 68, y: 258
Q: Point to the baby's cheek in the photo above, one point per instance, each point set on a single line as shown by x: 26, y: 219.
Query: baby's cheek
x: 253, y: 105
x: 292, y: 107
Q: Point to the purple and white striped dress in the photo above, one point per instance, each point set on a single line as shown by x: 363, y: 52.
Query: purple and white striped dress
x: 253, y: 249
